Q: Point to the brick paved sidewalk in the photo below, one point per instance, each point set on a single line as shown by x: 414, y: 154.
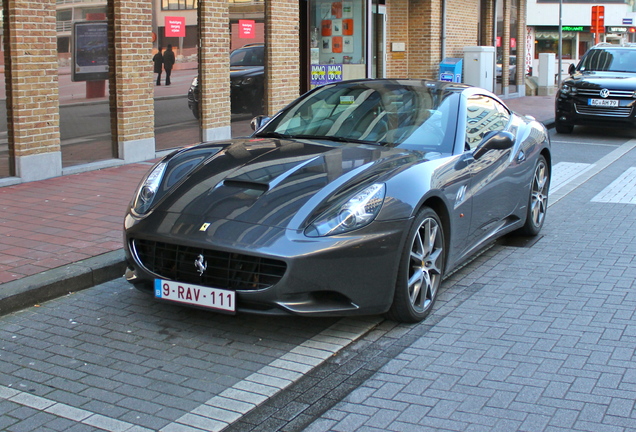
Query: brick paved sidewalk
x: 546, y: 341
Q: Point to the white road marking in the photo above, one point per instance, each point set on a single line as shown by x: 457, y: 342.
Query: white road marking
x: 620, y: 191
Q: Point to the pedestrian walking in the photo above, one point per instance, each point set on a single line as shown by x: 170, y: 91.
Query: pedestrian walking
x: 168, y: 62
x: 158, y: 61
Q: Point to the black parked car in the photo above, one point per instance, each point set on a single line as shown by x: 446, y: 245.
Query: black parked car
x: 355, y: 199
x: 246, y: 80
x: 601, y: 89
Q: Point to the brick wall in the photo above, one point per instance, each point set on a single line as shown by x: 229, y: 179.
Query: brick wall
x: 214, y: 68
x: 397, y: 31
x: 282, y: 68
x: 131, y: 83
x: 31, y: 70
x: 462, y: 26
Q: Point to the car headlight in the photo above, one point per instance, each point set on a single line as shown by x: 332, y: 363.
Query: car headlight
x: 354, y: 213
x: 166, y: 174
x: 147, y: 192
x: 568, y: 89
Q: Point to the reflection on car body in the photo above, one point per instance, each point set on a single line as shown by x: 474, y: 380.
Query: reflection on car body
x: 357, y: 198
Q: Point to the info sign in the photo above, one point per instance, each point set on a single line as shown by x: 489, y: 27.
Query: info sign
x: 90, y: 51
x: 325, y: 73
x: 175, y: 26
x: 247, y: 29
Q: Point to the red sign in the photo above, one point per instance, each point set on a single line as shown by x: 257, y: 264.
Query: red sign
x: 598, y: 19
x: 175, y: 26
x: 247, y: 29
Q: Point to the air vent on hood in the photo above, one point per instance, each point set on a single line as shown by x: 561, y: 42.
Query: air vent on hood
x: 242, y: 184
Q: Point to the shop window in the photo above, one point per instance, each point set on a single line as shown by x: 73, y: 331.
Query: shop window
x: 85, y: 123
x: 5, y: 157
x: 337, y: 37
x: 552, y: 46
x: 179, y: 4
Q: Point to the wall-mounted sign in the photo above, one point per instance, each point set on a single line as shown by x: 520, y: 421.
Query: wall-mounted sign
x: 616, y: 29
x: 90, y: 51
x: 573, y: 28
x: 628, y: 21
x: 247, y: 29
x: 175, y: 26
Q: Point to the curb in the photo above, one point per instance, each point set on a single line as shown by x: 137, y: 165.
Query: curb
x: 50, y: 284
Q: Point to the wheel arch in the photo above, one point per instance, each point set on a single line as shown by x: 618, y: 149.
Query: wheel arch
x: 439, y: 207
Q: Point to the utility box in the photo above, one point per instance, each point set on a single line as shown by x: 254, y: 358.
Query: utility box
x: 547, y: 74
x: 479, y: 66
x: 450, y: 70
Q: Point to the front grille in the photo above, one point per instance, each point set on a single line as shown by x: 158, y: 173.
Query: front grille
x: 224, y: 270
x: 613, y: 94
x: 624, y: 111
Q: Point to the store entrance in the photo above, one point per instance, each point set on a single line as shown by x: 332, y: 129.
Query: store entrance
x: 378, y: 41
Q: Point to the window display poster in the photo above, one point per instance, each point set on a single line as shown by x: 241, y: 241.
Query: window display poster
x: 338, y: 28
x: 325, y: 74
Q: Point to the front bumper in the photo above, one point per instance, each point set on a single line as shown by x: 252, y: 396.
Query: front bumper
x: 577, y: 110
x: 342, y: 275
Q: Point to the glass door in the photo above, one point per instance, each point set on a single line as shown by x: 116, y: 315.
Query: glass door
x: 378, y: 41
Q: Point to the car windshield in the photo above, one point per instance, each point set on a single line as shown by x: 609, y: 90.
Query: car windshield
x: 417, y: 117
x: 611, y: 60
x: 252, y: 56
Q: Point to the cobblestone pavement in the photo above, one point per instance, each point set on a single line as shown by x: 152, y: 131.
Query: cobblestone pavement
x: 536, y: 336
x: 111, y: 358
x: 545, y: 342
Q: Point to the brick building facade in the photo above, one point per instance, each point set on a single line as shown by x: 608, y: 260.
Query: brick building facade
x: 425, y: 30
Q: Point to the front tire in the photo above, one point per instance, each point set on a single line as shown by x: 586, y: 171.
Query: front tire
x: 538, y: 200
x: 421, y: 269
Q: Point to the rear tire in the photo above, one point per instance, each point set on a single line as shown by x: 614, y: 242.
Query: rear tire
x: 538, y: 200
x: 195, y: 111
x: 421, y: 269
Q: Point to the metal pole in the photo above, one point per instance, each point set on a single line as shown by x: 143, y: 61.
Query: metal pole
x: 560, y: 43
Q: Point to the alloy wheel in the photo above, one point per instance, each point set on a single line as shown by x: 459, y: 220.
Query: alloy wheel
x: 425, y: 265
x: 539, y: 197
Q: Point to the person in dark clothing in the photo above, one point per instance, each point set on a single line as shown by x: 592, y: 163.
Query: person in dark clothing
x: 158, y: 61
x: 168, y: 62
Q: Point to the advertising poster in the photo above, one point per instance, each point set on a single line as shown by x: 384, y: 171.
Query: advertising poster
x: 325, y: 74
x: 90, y: 51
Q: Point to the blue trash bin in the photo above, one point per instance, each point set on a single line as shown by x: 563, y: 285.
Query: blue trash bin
x: 450, y: 70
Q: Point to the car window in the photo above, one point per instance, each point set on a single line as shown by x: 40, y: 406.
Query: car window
x: 416, y: 118
x: 611, y: 60
x: 248, y: 56
x: 483, y: 115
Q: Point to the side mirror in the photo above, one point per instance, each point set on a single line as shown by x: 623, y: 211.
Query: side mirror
x: 571, y: 69
x: 494, y: 141
x: 258, y: 122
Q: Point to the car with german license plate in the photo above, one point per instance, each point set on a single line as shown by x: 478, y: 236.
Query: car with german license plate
x: 355, y: 199
x: 600, y: 91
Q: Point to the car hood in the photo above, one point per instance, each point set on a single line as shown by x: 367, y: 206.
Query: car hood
x: 270, y: 181
x: 595, y: 80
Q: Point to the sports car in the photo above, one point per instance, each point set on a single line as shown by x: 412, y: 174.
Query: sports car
x: 357, y: 198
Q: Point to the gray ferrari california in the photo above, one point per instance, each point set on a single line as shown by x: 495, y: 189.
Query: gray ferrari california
x: 357, y: 198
